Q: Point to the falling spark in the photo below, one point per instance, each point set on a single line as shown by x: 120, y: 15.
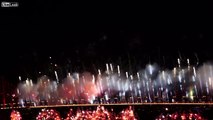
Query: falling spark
x: 99, y: 72
x: 107, y: 68
x: 111, y: 67
x: 56, y: 76
x: 178, y: 62
x: 127, y: 76
x: 19, y: 78
x: 119, y: 73
x: 69, y: 74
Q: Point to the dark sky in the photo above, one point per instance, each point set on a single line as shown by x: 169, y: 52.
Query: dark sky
x: 81, y: 36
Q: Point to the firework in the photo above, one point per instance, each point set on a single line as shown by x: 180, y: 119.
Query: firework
x: 47, y: 114
x: 152, y: 84
x: 15, y: 115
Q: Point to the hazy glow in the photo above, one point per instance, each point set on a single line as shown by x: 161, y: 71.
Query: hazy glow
x: 148, y: 83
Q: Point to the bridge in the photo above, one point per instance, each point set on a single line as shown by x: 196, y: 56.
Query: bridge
x: 116, y: 104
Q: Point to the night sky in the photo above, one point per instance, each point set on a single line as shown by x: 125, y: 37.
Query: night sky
x: 83, y: 39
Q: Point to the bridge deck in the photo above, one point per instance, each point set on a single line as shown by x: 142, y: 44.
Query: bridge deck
x: 117, y: 104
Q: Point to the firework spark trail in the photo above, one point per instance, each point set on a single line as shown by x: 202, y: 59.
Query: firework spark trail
x: 148, y: 84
